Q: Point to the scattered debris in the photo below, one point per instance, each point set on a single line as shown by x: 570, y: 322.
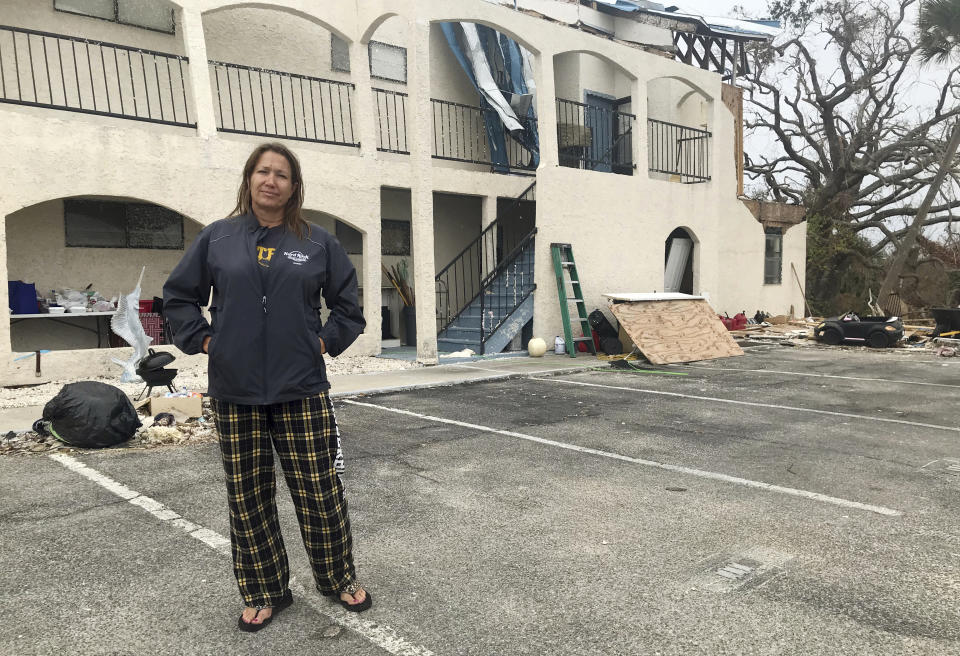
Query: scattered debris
x: 164, y: 419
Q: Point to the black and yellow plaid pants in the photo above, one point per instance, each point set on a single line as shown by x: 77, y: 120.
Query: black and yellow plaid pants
x: 307, y: 439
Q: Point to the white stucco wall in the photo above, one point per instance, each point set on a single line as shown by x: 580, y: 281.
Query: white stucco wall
x: 616, y: 223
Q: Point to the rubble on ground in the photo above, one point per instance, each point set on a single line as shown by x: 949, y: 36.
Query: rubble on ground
x: 195, y: 431
x: 799, y: 333
x: 150, y: 435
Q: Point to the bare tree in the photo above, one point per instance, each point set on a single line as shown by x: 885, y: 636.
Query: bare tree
x: 861, y: 126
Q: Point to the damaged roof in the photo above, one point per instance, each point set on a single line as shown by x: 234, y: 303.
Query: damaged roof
x: 716, y: 26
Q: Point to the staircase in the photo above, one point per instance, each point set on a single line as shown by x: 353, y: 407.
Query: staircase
x: 485, y: 295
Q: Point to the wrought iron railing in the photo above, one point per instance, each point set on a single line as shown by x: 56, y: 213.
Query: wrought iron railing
x: 506, y: 288
x: 391, y: 121
x: 460, y: 135
x: 42, y: 69
x: 271, y: 103
x: 460, y: 282
x: 595, y: 138
x: 678, y: 150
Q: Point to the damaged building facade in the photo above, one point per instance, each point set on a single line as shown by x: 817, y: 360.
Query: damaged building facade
x: 457, y: 139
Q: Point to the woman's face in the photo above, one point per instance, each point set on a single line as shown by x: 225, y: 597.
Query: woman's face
x: 271, y: 184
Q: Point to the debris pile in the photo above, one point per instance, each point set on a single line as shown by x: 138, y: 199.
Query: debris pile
x: 156, y: 431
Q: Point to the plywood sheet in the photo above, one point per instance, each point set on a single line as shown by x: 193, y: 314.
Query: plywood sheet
x: 676, y: 331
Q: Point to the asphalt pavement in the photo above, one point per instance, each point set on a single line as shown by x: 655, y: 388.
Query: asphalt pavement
x: 790, y: 501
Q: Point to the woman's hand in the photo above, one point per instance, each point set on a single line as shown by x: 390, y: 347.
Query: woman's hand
x: 206, y: 342
x: 323, y: 347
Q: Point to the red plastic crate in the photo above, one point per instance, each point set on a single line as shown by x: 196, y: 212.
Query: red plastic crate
x: 152, y: 325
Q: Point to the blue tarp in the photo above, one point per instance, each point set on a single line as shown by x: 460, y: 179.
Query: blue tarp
x: 496, y: 136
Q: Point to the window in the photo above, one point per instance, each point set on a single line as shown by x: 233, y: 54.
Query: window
x: 394, y: 237
x: 108, y: 224
x: 339, y: 54
x: 150, y: 14
x: 773, y: 256
x: 388, y: 62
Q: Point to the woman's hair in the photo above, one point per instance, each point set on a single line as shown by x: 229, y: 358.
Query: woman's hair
x: 293, y: 212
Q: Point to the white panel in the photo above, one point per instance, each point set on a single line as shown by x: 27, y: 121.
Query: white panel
x: 676, y: 263
x: 387, y: 61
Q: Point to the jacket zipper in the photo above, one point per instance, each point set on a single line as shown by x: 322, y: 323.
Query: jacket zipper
x: 252, y: 249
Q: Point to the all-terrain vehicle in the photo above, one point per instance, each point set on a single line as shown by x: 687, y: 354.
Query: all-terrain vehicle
x: 878, y: 332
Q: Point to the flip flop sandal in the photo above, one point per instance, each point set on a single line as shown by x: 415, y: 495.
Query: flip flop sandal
x: 351, y: 590
x: 250, y: 627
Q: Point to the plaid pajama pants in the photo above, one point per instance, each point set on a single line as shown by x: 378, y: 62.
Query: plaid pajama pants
x: 307, y: 439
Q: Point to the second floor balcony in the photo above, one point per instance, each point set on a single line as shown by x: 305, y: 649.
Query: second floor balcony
x: 62, y: 72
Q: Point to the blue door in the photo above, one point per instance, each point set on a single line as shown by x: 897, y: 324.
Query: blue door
x: 598, y: 117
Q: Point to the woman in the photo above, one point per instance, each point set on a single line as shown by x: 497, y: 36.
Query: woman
x: 268, y: 270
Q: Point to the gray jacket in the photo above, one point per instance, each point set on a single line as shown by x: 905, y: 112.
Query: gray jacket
x: 264, y: 345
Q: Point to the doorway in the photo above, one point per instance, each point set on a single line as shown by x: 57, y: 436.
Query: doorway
x: 678, y: 262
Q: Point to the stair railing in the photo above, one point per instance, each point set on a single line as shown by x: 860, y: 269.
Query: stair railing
x: 460, y: 282
x: 501, y: 308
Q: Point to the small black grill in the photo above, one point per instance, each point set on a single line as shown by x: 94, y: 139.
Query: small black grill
x: 151, y: 370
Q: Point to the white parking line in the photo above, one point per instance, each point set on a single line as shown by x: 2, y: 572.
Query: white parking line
x: 378, y: 633
x: 809, y: 375
x: 755, y: 404
x: 806, y: 494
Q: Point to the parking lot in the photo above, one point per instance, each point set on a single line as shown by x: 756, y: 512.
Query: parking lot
x: 790, y: 501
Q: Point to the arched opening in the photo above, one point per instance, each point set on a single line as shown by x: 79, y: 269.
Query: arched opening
x: 94, y: 246
x: 275, y: 72
x: 679, y: 257
x: 353, y: 240
x: 678, y: 130
x: 595, y: 120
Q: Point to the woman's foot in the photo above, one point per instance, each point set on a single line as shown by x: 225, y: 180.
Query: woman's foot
x: 255, y: 618
x: 253, y: 615
x: 354, y: 599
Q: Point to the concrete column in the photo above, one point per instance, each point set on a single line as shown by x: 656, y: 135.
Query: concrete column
x: 195, y: 45
x: 420, y: 124
x: 720, y: 148
x: 5, y: 347
x: 364, y: 109
x: 489, y: 211
x: 371, y: 277
x: 638, y: 92
x: 546, y: 110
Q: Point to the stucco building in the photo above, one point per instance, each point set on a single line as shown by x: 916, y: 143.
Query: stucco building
x: 125, y: 124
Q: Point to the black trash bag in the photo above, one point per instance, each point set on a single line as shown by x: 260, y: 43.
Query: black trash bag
x: 91, y: 414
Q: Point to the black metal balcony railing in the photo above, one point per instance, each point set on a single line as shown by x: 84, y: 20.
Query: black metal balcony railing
x: 460, y: 135
x: 391, y: 121
x: 595, y: 138
x: 42, y: 69
x: 270, y: 103
x: 678, y: 150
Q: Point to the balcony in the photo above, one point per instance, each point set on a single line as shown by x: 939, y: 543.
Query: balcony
x: 678, y: 151
x: 594, y: 138
x: 271, y: 103
x: 41, y: 69
x: 56, y: 71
